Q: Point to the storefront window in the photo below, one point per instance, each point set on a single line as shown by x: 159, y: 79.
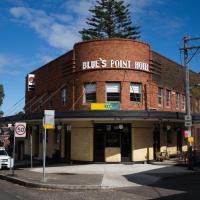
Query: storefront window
x: 90, y: 93
x: 160, y: 97
x: 113, y: 91
x: 168, y: 98
x: 136, y: 92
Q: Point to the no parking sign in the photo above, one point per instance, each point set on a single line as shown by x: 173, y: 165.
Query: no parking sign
x: 20, y: 129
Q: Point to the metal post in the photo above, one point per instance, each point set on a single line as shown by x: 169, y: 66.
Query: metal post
x: 31, y: 141
x: 188, y: 109
x: 44, y: 152
x: 13, y: 167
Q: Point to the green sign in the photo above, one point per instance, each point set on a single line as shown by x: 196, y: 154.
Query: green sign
x: 105, y: 106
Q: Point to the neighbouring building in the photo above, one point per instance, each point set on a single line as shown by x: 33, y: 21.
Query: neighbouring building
x: 115, y: 100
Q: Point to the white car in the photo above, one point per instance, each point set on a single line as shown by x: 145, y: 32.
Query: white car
x: 4, y: 158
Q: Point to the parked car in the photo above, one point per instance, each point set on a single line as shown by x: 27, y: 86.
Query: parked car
x: 4, y: 158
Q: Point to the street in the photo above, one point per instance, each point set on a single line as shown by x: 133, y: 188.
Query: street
x: 184, y: 187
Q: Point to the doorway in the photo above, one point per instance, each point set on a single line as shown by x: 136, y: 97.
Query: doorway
x: 112, y: 136
x: 126, y: 144
x: 99, y: 143
x: 156, y: 140
x: 179, y: 140
x: 67, y: 145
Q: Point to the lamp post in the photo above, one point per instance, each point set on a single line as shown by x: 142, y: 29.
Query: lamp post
x: 188, y: 109
x: 188, y: 117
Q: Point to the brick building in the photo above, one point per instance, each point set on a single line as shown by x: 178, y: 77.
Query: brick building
x: 116, y: 100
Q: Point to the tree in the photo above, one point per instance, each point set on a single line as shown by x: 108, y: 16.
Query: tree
x: 1, y: 98
x: 110, y: 19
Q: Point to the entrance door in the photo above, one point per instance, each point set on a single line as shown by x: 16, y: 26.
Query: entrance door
x: 126, y: 144
x: 179, y: 140
x: 67, y: 145
x: 156, y: 140
x: 99, y: 143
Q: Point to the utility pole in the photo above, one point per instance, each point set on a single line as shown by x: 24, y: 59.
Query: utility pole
x: 187, y: 88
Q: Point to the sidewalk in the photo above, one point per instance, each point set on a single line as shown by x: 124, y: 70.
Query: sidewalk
x: 95, y: 176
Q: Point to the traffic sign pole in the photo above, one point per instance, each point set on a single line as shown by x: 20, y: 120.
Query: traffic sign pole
x: 31, y: 141
x: 13, y: 167
x: 19, y: 131
x: 44, y: 152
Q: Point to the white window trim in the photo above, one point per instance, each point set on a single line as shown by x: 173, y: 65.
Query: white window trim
x: 132, y: 84
x: 84, y: 91
x: 117, y: 91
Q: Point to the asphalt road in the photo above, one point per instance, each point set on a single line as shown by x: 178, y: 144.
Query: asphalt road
x: 187, y: 187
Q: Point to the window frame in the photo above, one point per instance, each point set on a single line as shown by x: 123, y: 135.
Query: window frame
x: 63, y: 97
x: 85, y: 99
x: 160, y: 95
x: 119, y: 93
x: 177, y: 101
x: 168, y: 98
x: 140, y: 92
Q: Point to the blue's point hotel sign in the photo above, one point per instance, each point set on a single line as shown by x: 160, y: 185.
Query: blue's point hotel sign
x: 123, y: 64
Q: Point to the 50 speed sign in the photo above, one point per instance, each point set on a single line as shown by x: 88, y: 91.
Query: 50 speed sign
x: 20, y: 129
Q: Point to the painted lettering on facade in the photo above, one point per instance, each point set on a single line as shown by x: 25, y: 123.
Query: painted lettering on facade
x: 120, y: 64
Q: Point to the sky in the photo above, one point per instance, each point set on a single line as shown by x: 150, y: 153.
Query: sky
x: 34, y: 32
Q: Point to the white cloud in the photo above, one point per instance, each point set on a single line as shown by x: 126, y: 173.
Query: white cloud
x: 3, y: 60
x: 5, y: 65
x: 57, y: 34
x: 61, y: 29
x: 14, y: 65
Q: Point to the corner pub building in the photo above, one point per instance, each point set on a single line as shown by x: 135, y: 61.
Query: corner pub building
x: 115, y: 100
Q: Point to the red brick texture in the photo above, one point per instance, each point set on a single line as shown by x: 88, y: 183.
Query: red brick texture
x: 66, y: 72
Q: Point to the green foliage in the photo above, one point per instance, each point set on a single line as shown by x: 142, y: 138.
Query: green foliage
x: 110, y: 19
x: 1, y: 94
x: 1, y: 98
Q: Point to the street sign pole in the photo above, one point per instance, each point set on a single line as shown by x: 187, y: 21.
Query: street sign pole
x: 44, y: 151
x: 48, y: 123
x: 187, y: 83
x: 31, y: 141
x: 13, y: 165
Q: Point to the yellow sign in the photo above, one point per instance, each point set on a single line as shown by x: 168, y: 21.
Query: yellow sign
x: 105, y: 106
x: 49, y: 126
x: 191, y: 139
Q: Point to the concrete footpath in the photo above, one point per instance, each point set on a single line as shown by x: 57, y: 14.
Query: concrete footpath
x: 95, y: 176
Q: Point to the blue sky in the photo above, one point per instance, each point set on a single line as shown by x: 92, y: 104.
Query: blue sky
x: 34, y: 32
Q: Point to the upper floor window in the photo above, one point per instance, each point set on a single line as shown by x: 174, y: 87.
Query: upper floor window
x: 183, y: 102
x: 63, y: 96
x: 160, y: 97
x: 168, y: 98
x: 177, y: 101
x: 90, y: 92
x: 136, y: 92
x: 113, y: 91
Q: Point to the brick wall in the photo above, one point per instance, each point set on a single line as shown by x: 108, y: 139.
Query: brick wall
x: 66, y: 72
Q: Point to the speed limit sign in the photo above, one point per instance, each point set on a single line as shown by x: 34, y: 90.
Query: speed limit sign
x: 20, y: 129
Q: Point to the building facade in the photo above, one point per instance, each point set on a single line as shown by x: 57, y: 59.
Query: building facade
x: 116, y: 100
